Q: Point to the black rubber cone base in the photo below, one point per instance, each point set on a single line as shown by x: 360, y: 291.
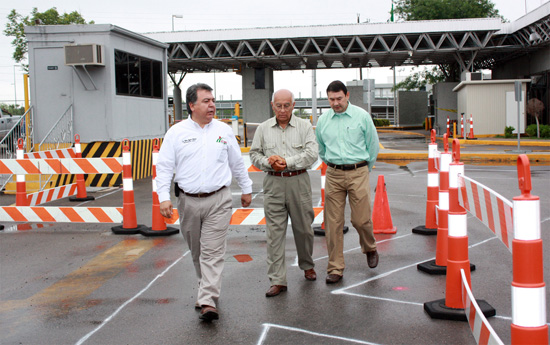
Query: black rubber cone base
x: 149, y: 232
x: 438, y: 310
x: 317, y: 230
x: 119, y: 230
x: 431, y: 268
x: 87, y: 198
x: 1, y: 227
x: 423, y: 230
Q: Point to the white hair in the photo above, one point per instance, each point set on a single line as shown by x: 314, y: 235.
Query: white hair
x: 273, y: 96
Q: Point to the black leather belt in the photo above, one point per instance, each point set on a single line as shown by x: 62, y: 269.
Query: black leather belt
x: 348, y: 166
x: 286, y: 173
x: 199, y: 195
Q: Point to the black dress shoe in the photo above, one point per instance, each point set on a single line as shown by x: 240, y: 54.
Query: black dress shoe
x: 274, y: 290
x: 372, y: 258
x: 208, y: 313
x: 333, y: 278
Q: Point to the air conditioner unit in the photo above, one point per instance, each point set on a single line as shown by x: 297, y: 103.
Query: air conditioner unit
x: 84, y: 55
x: 474, y: 76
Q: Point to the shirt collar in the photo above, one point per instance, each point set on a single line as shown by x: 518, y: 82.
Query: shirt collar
x: 273, y: 121
x: 344, y: 113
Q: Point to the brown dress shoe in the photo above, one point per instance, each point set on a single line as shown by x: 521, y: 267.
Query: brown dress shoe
x: 310, y: 274
x: 372, y: 258
x: 208, y: 313
x: 274, y: 290
x: 333, y: 278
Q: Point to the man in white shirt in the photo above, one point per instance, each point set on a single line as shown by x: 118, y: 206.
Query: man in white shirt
x: 204, y: 155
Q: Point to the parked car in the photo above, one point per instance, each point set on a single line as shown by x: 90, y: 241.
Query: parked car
x: 7, y: 121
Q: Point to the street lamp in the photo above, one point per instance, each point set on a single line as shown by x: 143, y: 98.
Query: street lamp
x: 175, y: 16
x: 14, y: 87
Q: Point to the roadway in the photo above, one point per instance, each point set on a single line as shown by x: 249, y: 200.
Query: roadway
x: 79, y: 283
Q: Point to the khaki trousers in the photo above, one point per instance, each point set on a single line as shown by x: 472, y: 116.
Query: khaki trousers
x: 284, y: 196
x: 355, y: 185
x: 204, y: 223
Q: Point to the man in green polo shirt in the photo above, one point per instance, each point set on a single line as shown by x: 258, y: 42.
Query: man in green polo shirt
x: 348, y: 144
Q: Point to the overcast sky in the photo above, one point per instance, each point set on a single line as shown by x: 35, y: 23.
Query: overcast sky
x: 154, y: 16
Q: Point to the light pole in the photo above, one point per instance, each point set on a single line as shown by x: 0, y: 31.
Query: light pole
x: 14, y: 88
x: 175, y: 16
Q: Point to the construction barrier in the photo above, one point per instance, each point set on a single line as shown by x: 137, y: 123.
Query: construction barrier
x: 21, y: 193
x: 320, y: 230
x: 158, y: 227
x: 430, y: 227
x: 126, y: 214
x: 452, y: 307
x: 381, y: 214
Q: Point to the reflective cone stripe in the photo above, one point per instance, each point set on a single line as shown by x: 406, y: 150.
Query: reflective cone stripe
x: 457, y: 258
x: 21, y: 187
x: 528, y: 287
x: 128, y: 205
x: 81, y: 191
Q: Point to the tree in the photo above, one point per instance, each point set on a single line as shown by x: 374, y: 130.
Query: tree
x: 445, y: 9
x: 410, y: 10
x: 16, y: 27
x: 535, y: 108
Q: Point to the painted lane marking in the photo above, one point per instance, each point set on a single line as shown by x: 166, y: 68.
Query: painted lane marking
x: 268, y: 326
x: 119, y: 309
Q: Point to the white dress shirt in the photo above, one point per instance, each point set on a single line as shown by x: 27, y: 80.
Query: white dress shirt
x: 203, y: 159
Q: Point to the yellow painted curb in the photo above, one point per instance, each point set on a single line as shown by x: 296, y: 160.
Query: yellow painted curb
x: 245, y: 149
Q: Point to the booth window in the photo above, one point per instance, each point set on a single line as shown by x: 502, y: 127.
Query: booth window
x: 137, y: 76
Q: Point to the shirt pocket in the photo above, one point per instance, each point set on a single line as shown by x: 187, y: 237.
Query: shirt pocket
x: 355, y: 135
x: 270, y: 149
x: 221, y: 153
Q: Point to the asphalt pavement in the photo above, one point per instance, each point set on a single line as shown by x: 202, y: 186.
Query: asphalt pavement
x: 81, y: 284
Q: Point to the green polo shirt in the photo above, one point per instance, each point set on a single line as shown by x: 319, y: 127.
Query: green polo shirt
x: 348, y: 137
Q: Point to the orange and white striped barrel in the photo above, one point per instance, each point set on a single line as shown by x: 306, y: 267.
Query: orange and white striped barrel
x: 158, y: 226
x: 80, y: 184
x: 528, y: 288
x: 129, y: 222
x: 21, y: 187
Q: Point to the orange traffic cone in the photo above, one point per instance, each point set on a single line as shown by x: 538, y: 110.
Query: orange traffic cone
x: 381, y: 220
x: 158, y: 227
x: 129, y: 221
x: 80, y: 184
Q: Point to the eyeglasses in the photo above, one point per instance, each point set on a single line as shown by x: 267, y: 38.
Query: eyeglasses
x: 283, y: 106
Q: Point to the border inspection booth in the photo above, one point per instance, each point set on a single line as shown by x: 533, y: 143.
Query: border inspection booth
x: 102, y: 82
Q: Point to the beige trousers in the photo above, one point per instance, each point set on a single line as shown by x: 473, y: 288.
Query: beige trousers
x: 355, y: 185
x: 204, y: 223
x: 284, y: 196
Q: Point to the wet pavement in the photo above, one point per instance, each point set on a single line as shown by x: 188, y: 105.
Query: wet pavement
x: 81, y: 284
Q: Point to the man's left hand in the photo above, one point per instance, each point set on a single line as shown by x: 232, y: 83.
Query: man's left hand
x: 246, y: 199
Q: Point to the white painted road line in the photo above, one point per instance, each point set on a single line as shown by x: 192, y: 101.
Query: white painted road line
x: 268, y: 326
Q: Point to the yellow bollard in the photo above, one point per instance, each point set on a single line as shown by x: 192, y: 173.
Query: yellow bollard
x: 454, y: 130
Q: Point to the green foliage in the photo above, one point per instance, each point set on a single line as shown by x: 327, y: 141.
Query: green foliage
x: 15, y: 26
x: 445, y: 9
x: 12, y: 109
x: 381, y: 122
x: 419, y: 80
x: 508, y: 132
x: 531, y: 130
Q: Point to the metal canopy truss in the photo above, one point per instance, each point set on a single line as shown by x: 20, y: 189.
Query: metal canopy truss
x: 472, y: 44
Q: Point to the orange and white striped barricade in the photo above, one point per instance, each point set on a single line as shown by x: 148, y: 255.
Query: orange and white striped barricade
x: 448, y: 127
x: 129, y: 225
x: 158, y: 227
x: 471, y: 135
x: 528, y: 288
x: 430, y: 227
x: 320, y: 230
x: 80, y: 184
x: 452, y: 307
x: 21, y: 187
